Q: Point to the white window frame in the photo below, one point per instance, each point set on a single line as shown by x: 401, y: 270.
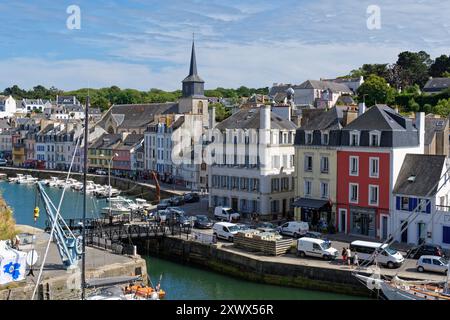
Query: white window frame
x: 353, y: 133
x: 304, y: 188
x: 371, y: 186
x: 374, y: 133
x: 350, y: 192
x: 350, y: 172
x: 327, y: 195
x: 371, y: 167
x: 309, y: 133
x: 325, y: 133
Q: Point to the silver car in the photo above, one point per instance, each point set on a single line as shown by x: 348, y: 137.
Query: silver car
x: 432, y: 263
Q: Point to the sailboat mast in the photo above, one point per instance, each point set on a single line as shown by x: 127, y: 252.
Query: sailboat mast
x: 85, y: 169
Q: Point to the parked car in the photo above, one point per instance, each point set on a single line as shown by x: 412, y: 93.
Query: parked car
x: 426, y: 249
x: 266, y: 227
x: 432, y: 263
x: 174, y: 214
x: 101, y: 172
x: 177, y: 201
x: 164, y: 204
x: 225, y: 230
x: 366, y: 252
x: 316, y: 248
x: 243, y: 226
x: 191, y: 197
x: 294, y: 228
x: 226, y: 214
x: 314, y: 235
x: 3, y: 162
x: 202, y: 222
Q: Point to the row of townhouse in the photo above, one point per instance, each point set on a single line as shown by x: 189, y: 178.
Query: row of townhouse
x: 351, y: 167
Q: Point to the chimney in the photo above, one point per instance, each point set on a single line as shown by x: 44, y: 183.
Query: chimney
x: 212, y: 117
x: 265, y: 117
x: 361, y: 108
x: 420, y: 126
x: 349, y: 115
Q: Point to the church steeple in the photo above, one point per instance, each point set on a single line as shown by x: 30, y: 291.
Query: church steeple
x: 193, y: 85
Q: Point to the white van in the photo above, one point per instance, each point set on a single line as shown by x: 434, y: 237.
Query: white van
x: 294, y: 228
x: 316, y: 248
x: 225, y: 213
x: 389, y: 257
x: 225, y: 230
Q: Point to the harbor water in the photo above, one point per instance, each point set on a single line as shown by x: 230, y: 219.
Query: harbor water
x: 178, y: 280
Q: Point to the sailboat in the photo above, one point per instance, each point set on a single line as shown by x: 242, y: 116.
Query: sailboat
x: 396, y: 288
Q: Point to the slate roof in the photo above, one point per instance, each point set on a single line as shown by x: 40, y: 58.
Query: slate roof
x: 138, y: 115
x: 250, y: 119
x: 347, y: 100
x: 427, y: 170
x: 329, y: 120
x: 379, y: 117
x: 432, y: 125
x: 106, y: 141
x: 130, y: 141
x: 323, y: 85
x: 437, y: 84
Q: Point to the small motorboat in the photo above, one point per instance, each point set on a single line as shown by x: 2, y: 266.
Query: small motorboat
x: 16, y: 178
x: 28, y: 179
x: 144, y: 292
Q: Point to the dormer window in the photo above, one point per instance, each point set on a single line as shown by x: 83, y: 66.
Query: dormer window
x: 325, y: 138
x: 374, y: 139
x: 354, y: 138
x: 308, y: 137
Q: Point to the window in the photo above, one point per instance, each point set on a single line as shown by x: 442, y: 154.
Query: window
x: 308, y: 187
x: 422, y: 205
x: 324, y: 190
x: 308, y: 137
x: 354, y: 138
x: 353, y: 194
x: 308, y: 163
x: 275, y: 184
x: 324, y: 164
x: 325, y: 138
x: 374, y: 139
x: 353, y: 166
x: 405, y: 203
x: 373, y: 195
x: 373, y: 167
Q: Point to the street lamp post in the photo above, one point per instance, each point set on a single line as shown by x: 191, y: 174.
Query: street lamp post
x: 109, y: 183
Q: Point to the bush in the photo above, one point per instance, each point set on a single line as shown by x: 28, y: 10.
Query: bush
x: 7, y: 222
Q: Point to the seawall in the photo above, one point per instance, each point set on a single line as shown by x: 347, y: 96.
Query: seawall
x: 237, y: 263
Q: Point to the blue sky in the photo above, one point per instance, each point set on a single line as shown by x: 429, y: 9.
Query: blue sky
x: 145, y: 44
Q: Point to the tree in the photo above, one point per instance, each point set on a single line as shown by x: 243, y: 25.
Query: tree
x: 366, y: 70
x: 442, y: 108
x: 414, y: 67
x: 221, y: 112
x: 7, y: 222
x: 376, y: 90
x: 440, y: 66
x: 100, y: 102
x: 413, y: 105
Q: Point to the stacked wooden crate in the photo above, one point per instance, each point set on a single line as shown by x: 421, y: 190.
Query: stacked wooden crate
x: 267, y: 243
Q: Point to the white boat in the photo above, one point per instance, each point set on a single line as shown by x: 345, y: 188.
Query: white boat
x: 115, y: 209
x: 107, y: 192
x: 78, y: 186
x: 28, y: 179
x: 15, y: 179
x: 143, y: 204
x: 54, y: 181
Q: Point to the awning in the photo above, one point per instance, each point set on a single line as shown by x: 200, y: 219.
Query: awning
x: 308, y: 203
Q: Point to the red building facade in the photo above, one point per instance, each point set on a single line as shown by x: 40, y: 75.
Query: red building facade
x: 363, y: 192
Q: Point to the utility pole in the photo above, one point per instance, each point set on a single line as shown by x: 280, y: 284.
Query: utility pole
x: 85, y: 162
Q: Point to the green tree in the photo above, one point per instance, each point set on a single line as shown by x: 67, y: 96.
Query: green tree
x: 366, y: 70
x: 376, y: 90
x: 440, y: 66
x: 100, y: 102
x: 413, y: 105
x: 413, y: 67
x: 442, y: 108
x: 221, y: 112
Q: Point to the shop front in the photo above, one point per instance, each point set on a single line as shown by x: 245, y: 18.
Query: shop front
x: 316, y: 212
x: 363, y: 221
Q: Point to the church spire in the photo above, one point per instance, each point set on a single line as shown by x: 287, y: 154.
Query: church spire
x: 193, y: 67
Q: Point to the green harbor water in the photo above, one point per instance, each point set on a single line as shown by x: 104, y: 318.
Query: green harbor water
x: 178, y: 280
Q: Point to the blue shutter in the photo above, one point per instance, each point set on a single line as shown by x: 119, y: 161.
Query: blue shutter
x: 414, y: 203
x: 399, y: 199
x: 410, y: 204
x: 428, y: 206
x: 445, y: 234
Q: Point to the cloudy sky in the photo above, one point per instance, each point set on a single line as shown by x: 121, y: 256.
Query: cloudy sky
x: 146, y: 44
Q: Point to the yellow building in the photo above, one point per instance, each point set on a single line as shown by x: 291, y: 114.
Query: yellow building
x: 316, y: 168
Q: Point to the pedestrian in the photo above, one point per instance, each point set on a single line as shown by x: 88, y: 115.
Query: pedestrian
x: 349, y: 256
x: 344, y: 255
x: 355, y: 260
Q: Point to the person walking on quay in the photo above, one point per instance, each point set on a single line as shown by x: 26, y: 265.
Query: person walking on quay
x: 349, y: 256
x: 344, y: 255
x: 355, y: 260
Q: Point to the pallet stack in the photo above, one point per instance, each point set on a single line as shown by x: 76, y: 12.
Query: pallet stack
x: 266, y: 243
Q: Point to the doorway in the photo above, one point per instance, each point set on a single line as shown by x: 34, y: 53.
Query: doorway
x: 284, y: 208
x: 421, y: 232
x: 343, y: 220
x: 384, y: 227
x: 404, y: 238
x: 234, y: 203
